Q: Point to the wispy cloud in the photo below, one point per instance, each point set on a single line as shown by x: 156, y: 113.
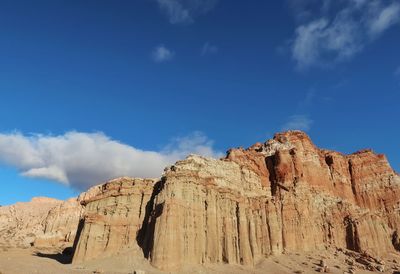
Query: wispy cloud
x: 321, y: 43
x: 304, y: 10
x: 307, y: 101
x: 185, y: 11
x: 336, y: 32
x: 82, y: 159
x: 382, y: 17
x: 162, y: 54
x: 299, y: 122
x: 209, y: 49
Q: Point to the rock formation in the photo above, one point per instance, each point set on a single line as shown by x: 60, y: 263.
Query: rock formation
x: 114, y: 213
x: 20, y: 223
x: 60, y: 225
x: 42, y: 222
x: 282, y: 195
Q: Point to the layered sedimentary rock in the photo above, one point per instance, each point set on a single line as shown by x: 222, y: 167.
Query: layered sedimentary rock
x: 282, y: 195
x: 60, y: 225
x: 22, y: 222
x: 42, y: 222
x: 114, y: 213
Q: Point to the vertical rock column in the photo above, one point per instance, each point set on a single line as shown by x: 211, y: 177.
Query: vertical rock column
x: 114, y: 213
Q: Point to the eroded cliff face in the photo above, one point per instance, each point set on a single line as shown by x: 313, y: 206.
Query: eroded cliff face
x: 282, y: 195
x: 60, y: 226
x: 20, y: 223
x: 42, y: 222
x: 114, y: 214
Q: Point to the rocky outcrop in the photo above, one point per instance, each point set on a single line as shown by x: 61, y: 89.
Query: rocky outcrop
x: 282, y: 195
x: 60, y: 225
x: 22, y: 222
x: 42, y: 222
x: 114, y: 213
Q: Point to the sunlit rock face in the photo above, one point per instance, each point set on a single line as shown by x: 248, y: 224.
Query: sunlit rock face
x: 42, y: 222
x: 284, y: 195
x: 60, y: 226
x: 114, y: 214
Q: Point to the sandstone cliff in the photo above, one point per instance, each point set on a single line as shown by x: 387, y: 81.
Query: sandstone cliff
x: 282, y: 195
x: 114, y: 213
x: 42, y: 222
x: 20, y: 223
x: 60, y: 226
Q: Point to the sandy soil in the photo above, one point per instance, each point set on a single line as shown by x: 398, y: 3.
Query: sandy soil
x: 27, y: 261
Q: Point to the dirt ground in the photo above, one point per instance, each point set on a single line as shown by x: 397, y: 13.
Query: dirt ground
x: 30, y: 261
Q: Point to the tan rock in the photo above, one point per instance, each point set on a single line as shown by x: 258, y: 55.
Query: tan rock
x: 240, y: 210
x: 60, y: 225
x: 284, y: 195
x: 114, y: 213
x: 42, y: 222
x: 21, y: 223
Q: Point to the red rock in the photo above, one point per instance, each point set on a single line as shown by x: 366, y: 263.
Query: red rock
x: 302, y: 198
x: 284, y: 195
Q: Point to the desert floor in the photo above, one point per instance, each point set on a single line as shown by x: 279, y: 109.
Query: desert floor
x: 27, y: 261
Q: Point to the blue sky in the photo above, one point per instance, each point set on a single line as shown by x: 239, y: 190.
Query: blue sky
x: 96, y: 89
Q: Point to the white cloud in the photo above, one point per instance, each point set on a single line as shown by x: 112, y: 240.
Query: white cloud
x: 83, y: 159
x: 335, y: 33
x: 184, y: 11
x: 196, y: 143
x: 162, y: 54
x: 299, y: 122
x: 54, y: 173
x: 322, y: 41
x: 209, y: 49
x: 383, y: 18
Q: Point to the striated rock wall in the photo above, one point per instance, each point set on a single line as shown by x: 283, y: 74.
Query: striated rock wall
x: 114, y: 213
x: 282, y: 195
x: 21, y: 223
x: 42, y: 222
x: 60, y: 225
